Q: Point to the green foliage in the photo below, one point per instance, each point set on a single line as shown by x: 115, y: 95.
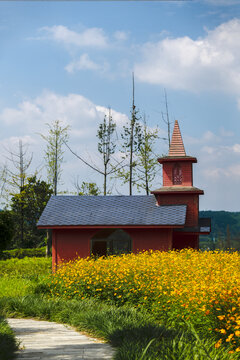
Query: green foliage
x: 26, y: 268
x: 6, y: 229
x: 146, y: 166
x: 89, y: 189
x: 106, y: 146
x: 21, y: 253
x: 27, y: 208
x: 8, y: 342
x: 19, y: 277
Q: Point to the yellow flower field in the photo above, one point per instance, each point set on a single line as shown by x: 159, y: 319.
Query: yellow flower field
x: 177, y: 287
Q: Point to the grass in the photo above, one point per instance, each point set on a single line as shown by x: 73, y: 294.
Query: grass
x: 134, y: 331
x: 129, y: 330
x: 8, y: 343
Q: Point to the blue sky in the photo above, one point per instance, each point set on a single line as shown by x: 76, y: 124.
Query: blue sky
x: 71, y: 60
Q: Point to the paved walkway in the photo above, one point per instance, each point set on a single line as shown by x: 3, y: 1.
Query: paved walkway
x: 47, y: 340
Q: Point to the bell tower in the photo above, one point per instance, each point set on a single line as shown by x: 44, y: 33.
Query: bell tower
x: 177, y: 166
x: 177, y: 169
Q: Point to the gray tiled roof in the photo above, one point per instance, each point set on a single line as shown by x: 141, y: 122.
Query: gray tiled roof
x: 110, y: 210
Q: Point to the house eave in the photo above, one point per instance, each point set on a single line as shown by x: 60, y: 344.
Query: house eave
x: 63, y: 227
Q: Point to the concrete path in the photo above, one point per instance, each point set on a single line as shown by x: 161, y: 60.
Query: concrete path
x: 47, y: 340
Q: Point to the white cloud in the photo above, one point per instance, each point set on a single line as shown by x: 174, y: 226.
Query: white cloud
x: 236, y: 148
x: 29, y: 119
x: 225, y: 133
x: 208, y: 63
x: 120, y: 35
x: 208, y: 149
x: 31, y: 116
x: 92, y: 37
x: 85, y: 63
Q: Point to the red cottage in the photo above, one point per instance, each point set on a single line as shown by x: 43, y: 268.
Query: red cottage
x: 101, y: 225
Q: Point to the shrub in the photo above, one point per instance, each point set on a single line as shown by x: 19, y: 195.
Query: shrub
x: 21, y: 253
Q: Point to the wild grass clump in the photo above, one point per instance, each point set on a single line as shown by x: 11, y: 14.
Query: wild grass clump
x: 8, y: 343
x: 200, y: 287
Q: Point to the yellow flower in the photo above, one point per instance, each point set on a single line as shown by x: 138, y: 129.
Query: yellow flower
x: 218, y: 344
x: 229, y: 337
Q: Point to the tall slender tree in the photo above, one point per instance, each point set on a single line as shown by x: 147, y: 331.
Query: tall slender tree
x: 3, y: 180
x: 165, y: 117
x: 57, y: 136
x: 146, y: 168
x: 16, y: 177
x: 132, y: 140
x: 21, y: 162
x: 106, y: 145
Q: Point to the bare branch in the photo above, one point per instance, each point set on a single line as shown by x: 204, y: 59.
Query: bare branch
x: 84, y: 161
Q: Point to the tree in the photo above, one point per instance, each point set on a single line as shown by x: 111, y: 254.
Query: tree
x: 106, y: 145
x: 57, y: 136
x: 88, y: 189
x: 146, y: 167
x: 33, y: 199
x: 165, y: 118
x: 21, y: 163
x: 16, y: 178
x: 6, y: 229
x: 3, y: 181
x: 132, y: 140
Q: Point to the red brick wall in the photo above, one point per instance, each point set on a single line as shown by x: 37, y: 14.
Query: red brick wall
x: 191, y: 200
x: 186, y: 173
x: 71, y: 243
x: 150, y: 239
x: 167, y: 174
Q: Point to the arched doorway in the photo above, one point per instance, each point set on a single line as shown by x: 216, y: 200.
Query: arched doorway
x: 111, y: 242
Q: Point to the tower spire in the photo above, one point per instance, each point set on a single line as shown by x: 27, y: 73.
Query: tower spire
x: 176, y: 146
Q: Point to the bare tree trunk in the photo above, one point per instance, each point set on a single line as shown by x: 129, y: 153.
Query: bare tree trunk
x: 168, y: 121
x: 105, y: 180
x: 133, y: 120
x: 56, y: 165
x: 22, y: 180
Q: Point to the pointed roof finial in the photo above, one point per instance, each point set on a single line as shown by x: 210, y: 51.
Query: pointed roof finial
x: 176, y: 146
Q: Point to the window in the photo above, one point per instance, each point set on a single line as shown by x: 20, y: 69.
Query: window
x: 110, y: 242
x: 177, y: 174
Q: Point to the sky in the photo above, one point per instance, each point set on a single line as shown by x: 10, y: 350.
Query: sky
x: 71, y: 60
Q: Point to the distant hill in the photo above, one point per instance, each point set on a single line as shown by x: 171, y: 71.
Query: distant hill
x: 225, y: 230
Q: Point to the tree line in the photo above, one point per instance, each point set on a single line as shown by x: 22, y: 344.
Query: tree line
x: 129, y: 157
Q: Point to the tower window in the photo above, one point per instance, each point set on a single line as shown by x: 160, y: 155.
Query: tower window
x: 177, y: 175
